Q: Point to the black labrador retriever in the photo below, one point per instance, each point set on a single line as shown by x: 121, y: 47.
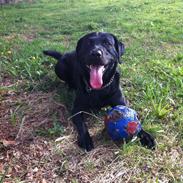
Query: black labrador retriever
x: 91, y: 70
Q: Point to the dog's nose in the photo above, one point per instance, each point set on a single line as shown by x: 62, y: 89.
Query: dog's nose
x: 96, y: 53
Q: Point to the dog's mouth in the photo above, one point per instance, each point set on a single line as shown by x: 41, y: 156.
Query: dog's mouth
x: 96, y: 75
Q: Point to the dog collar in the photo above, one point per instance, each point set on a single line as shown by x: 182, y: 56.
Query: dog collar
x: 89, y: 89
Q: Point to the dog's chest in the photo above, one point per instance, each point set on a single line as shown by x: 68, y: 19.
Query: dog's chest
x: 97, y: 100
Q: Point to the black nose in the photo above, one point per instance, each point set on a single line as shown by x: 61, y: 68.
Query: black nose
x: 96, y: 53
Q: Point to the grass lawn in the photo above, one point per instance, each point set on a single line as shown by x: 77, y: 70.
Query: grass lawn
x: 35, y: 105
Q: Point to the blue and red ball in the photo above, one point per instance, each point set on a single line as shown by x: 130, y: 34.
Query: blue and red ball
x: 122, y: 123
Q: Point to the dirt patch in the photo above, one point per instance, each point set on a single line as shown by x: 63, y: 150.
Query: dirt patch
x: 32, y: 161
x: 6, y: 1
x: 14, y: 1
x: 30, y: 111
x: 24, y: 155
x: 29, y: 37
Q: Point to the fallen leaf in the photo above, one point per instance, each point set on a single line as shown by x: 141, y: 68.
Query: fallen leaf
x: 44, y: 181
x: 8, y: 142
x: 35, y: 170
x: 61, y: 138
x: 8, y: 175
x: 1, y: 168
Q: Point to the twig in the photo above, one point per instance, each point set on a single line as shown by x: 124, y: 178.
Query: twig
x: 41, y: 123
x: 20, y: 129
x: 60, y: 105
x: 85, y: 113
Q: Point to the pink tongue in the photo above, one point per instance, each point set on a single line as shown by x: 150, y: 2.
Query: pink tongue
x: 96, y: 73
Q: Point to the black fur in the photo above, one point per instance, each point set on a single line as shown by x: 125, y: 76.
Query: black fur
x: 93, y: 50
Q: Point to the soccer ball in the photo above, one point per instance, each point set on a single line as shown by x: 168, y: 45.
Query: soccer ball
x: 122, y: 123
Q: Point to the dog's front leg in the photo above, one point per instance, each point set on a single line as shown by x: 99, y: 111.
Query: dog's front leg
x: 84, y: 139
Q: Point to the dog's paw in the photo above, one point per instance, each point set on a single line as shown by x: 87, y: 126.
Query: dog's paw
x: 147, y: 140
x: 85, y: 142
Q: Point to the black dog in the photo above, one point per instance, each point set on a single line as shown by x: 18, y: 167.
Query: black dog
x: 91, y: 71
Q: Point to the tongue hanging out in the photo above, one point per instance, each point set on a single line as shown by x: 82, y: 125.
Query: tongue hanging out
x: 96, y: 73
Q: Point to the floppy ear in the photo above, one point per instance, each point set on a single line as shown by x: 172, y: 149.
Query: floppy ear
x: 78, y: 47
x: 120, y: 48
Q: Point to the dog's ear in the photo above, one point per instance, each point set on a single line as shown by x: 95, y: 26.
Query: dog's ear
x: 79, y: 44
x: 120, y: 47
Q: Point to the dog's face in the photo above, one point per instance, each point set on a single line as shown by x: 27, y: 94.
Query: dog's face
x: 98, y: 54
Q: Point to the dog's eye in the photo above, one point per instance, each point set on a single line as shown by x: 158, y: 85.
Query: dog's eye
x: 107, y: 43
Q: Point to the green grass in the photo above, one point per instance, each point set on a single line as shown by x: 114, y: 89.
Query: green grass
x: 152, y: 72
x: 55, y: 131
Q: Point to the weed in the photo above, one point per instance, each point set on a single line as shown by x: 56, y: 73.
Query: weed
x: 55, y: 131
x: 89, y: 166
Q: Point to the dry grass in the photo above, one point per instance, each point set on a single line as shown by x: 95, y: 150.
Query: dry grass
x: 30, y: 111
x: 107, y: 163
x: 25, y: 155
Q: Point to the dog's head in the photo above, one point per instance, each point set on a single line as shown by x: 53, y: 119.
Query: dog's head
x: 98, y: 54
